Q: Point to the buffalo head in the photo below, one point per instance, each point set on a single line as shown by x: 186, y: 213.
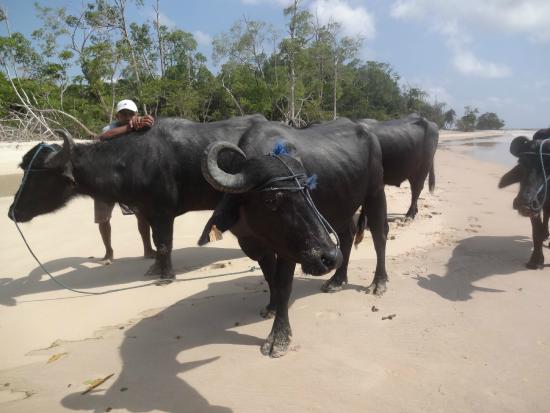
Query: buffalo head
x: 532, y: 173
x: 48, y: 181
x: 275, y: 205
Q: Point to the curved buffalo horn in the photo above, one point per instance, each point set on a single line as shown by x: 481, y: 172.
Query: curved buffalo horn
x: 63, y: 157
x: 517, y: 145
x: 218, y: 178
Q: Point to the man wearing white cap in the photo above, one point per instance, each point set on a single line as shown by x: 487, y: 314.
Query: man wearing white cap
x: 127, y: 121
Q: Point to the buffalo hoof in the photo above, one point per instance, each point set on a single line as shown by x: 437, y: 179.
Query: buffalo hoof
x: 268, y: 312
x: 333, y: 285
x: 155, y: 270
x: 377, y: 288
x: 534, y: 265
x: 276, y: 346
x: 152, y: 254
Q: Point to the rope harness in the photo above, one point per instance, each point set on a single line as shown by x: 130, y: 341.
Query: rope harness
x: 537, y: 205
x: 303, y: 186
x: 23, y: 182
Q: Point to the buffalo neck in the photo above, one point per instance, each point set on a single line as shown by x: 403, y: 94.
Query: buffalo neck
x: 96, y: 169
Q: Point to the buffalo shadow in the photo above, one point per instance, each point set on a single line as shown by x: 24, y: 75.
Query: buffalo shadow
x: 152, y: 373
x: 75, y: 273
x: 475, y: 258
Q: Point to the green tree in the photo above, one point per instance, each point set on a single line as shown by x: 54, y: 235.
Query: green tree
x: 372, y: 91
x: 489, y: 120
x: 18, y: 57
x: 450, y: 118
x: 293, y: 55
x: 468, y: 121
x: 243, y: 53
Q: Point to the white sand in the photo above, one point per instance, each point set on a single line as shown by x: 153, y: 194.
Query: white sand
x: 471, y: 332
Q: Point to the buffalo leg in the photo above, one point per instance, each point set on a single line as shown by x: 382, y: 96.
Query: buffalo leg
x: 340, y: 277
x: 276, y: 344
x: 255, y: 250
x: 378, y: 224
x: 268, y: 264
x: 163, y: 228
x: 417, y: 184
x: 545, y: 218
x: 145, y: 232
x: 537, y: 258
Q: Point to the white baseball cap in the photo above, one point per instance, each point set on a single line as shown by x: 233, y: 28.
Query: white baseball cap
x: 126, y: 104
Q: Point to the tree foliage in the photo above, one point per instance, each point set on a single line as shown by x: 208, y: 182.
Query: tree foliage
x: 468, y: 121
x: 489, y: 120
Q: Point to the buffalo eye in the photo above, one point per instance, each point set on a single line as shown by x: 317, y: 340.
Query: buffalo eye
x: 273, y: 200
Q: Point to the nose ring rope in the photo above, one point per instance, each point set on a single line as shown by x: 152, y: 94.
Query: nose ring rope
x: 535, y: 204
x: 305, y: 193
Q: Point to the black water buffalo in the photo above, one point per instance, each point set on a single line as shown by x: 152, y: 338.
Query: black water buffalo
x: 408, y: 148
x: 157, y: 171
x: 261, y: 205
x: 533, y: 173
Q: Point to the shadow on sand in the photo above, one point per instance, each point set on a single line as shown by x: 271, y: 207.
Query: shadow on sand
x: 156, y: 352
x: 84, y: 273
x: 474, y: 259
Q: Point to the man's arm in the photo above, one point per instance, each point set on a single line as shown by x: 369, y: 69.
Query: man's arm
x: 114, y: 132
x: 136, y: 123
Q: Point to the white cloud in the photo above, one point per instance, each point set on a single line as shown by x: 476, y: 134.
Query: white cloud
x: 283, y: 3
x: 202, y: 38
x: 460, y: 43
x: 500, y: 102
x: 439, y: 94
x: 355, y: 21
x: 165, y: 20
x: 468, y: 64
x: 455, y: 19
x: 436, y: 92
x: 521, y: 16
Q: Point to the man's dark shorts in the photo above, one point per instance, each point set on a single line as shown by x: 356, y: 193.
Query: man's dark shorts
x: 103, y: 211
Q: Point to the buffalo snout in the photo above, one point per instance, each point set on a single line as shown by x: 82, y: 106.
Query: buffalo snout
x: 320, y: 262
x: 524, y: 207
x: 10, y: 213
x: 332, y: 259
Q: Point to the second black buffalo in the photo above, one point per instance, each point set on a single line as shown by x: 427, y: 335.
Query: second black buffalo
x: 262, y: 206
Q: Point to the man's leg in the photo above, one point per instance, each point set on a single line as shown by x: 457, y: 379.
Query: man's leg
x: 102, y: 212
x: 105, y: 231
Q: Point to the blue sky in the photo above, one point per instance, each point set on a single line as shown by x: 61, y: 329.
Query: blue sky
x: 492, y: 54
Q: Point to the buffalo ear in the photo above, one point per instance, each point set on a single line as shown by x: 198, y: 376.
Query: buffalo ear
x: 517, y: 145
x: 513, y: 176
x: 61, y: 158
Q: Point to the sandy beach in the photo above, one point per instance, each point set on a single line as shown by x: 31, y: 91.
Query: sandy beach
x: 471, y: 331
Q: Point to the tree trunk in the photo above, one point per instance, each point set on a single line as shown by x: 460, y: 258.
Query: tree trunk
x: 334, y: 115
x: 121, y: 7
x: 160, y: 42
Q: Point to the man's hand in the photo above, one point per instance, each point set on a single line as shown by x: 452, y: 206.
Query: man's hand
x: 141, y: 122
